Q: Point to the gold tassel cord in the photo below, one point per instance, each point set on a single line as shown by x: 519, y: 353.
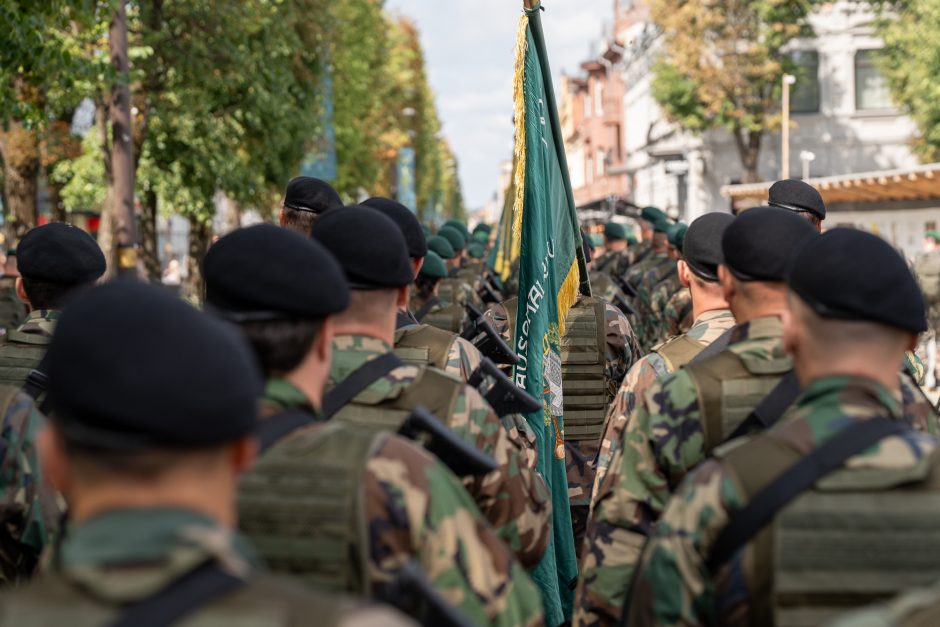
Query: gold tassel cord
x: 568, y: 293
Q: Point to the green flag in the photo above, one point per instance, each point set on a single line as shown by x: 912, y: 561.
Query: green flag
x: 550, y: 272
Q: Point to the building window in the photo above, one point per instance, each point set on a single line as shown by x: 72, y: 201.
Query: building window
x: 598, y: 98
x: 600, y: 162
x: 586, y: 105
x: 804, y: 98
x: 871, y: 88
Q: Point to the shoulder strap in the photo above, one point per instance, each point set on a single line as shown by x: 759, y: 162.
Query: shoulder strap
x: 404, y: 319
x: 274, y: 428
x: 28, y: 338
x: 678, y: 351
x: 796, y: 479
x: 427, y: 307
x: 37, y: 381
x: 187, y: 594
x: 721, y: 343
x: 361, y: 378
x: 769, y: 410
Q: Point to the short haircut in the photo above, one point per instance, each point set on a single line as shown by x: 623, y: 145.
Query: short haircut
x: 281, y: 345
x: 425, y: 285
x: 95, y: 464
x: 299, y: 220
x: 367, y: 306
x: 810, y: 217
x: 48, y: 295
x: 830, y: 334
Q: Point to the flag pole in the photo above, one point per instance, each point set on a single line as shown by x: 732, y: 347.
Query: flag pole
x: 535, y: 23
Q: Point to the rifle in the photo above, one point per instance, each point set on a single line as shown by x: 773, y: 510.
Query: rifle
x: 504, y: 396
x: 412, y: 594
x: 623, y: 305
x: 486, y: 339
x: 625, y: 286
x: 459, y: 456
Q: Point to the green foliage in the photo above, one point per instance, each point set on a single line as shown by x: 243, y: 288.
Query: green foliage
x: 911, y: 63
x: 83, y: 178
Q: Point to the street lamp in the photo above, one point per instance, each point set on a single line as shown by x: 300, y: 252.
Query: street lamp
x: 788, y: 79
x: 807, y: 158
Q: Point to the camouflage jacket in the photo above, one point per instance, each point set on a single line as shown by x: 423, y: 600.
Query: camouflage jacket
x: 639, y: 252
x: 613, y: 262
x: 677, y: 314
x: 663, y: 438
x: 447, y: 316
x: 514, y: 498
x: 31, y: 508
x: 12, y: 309
x: 122, y: 556
x: 414, y: 509
x: 673, y: 585
x: 22, y: 349
x: 641, y: 377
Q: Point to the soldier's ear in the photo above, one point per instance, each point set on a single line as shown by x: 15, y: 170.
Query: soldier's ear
x: 324, y: 342
x: 684, y: 274
x: 281, y: 217
x: 402, y: 297
x: 21, y: 291
x: 243, y: 453
x: 416, y: 263
x: 727, y: 283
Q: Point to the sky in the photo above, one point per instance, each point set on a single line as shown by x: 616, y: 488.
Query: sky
x: 468, y: 48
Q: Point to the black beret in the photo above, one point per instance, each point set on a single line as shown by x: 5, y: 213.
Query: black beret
x: 758, y: 243
x: 305, y: 193
x: 133, y: 367
x: 795, y: 195
x: 406, y: 221
x: 702, y: 246
x: 60, y: 253
x: 266, y: 272
x: 368, y: 245
x: 854, y: 275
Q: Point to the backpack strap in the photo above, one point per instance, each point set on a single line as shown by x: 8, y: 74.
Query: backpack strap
x: 274, y: 428
x: 678, y: 351
x: 721, y: 343
x: 360, y: 379
x: 769, y: 410
x: 195, y: 589
x: 794, y: 480
x: 426, y: 308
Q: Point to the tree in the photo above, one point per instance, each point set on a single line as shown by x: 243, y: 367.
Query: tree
x: 911, y: 64
x: 722, y: 65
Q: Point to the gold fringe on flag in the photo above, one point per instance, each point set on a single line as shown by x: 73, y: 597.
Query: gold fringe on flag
x: 519, y: 152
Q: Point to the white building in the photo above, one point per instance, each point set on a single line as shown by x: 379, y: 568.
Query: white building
x: 841, y: 112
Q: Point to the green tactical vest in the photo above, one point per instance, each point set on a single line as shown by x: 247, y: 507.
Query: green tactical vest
x: 587, y: 393
x: 678, y: 351
x: 860, y: 536
x: 449, y: 318
x: 12, y: 309
x: 301, y: 505
x: 451, y: 292
x: 19, y: 353
x: 729, y: 387
x: 435, y: 391
x: 424, y: 345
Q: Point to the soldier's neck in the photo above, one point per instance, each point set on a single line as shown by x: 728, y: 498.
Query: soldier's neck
x: 706, y: 299
x: 813, y: 368
x: 381, y: 330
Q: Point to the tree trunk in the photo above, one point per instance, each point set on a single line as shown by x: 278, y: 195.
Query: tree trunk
x: 148, y: 235
x: 55, y: 200
x: 199, y: 233
x: 19, y: 147
x: 122, y: 149
x: 748, y: 144
x: 106, y: 225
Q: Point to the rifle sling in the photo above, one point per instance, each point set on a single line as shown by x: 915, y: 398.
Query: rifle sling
x: 426, y: 308
x: 187, y: 594
x: 801, y: 476
x: 360, y: 379
x: 274, y: 428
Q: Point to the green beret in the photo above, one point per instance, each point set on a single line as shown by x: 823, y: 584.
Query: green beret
x: 433, y: 266
x: 481, y: 236
x: 486, y: 228
x: 676, y: 234
x: 597, y: 240
x: 426, y: 230
x: 662, y: 225
x: 632, y: 240
x: 476, y: 249
x: 614, y: 230
x: 931, y: 234
x: 441, y: 246
x: 454, y: 236
x: 460, y: 226
x: 652, y: 215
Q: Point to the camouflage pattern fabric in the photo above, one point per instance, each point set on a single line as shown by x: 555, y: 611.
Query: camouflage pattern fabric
x: 414, y: 508
x: 30, y: 507
x: 639, y: 252
x: 12, y: 309
x: 462, y: 357
x: 662, y: 293
x: 622, y: 351
x: 447, y: 316
x: 677, y: 314
x: 673, y: 585
x: 663, y: 438
x: 641, y: 377
x: 21, y: 350
x: 125, y: 555
x: 514, y: 498
x: 612, y: 262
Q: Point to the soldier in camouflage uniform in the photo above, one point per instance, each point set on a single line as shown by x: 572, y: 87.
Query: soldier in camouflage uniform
x: 668, y: 285
x: 644, y: 276
x: 366, y: 502
x: 30, y: 507
x: 927, y: 269
x: 677, y: 315
x: 305, y: 199
x: 149, y: 463
x: 12, y: 309
x: 615, y: 259
x: 649, y: 216
x: 513, y: 498
x: 588, y: 388
x: 698, y: 271
x: 55, y: 260
x: 784, y: 527
x: 423, y: 344
x: 687, y: 414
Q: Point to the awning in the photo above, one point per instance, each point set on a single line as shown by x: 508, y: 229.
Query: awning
x: 918, y: 183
